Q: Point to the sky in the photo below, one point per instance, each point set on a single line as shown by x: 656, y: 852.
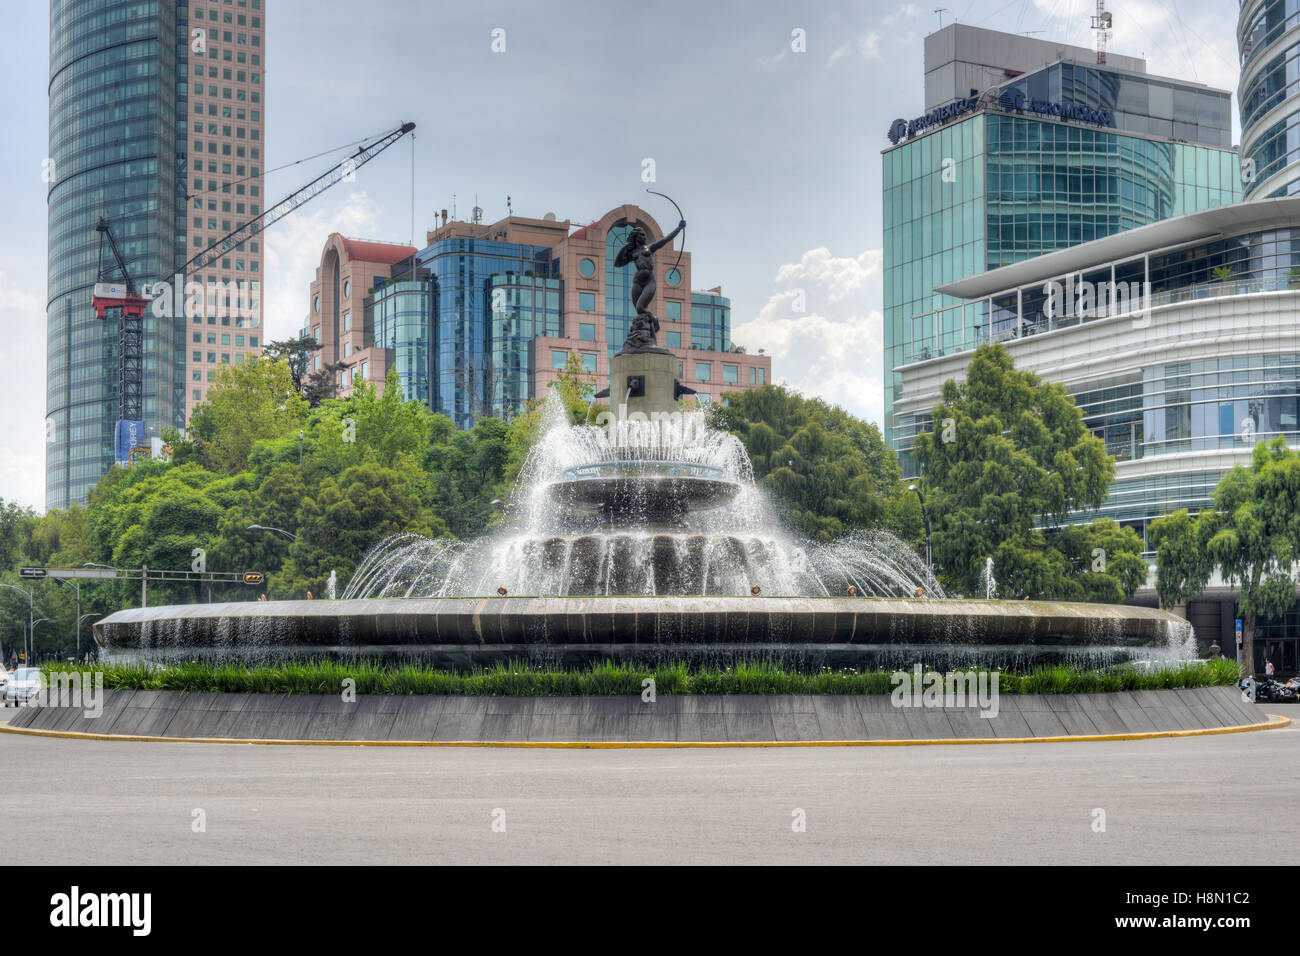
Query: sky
x: 772, y: 153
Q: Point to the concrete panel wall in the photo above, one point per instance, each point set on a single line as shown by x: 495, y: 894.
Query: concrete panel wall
x: 735, y: 719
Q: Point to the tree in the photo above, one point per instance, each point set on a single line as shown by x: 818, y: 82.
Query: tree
x: 1010, y: 455
x: 1182, y: 566
x: 827, y: 471
x: 346, y: 516
x: 248, y: 403
x: 1253, y: 535
x: 297, y: 354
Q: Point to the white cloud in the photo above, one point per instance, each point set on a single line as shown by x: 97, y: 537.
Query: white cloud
x: 293, y: 249
x: 835, y: 350
x: 842, y: 277
x: 905, y: 12
x: 867, y: 46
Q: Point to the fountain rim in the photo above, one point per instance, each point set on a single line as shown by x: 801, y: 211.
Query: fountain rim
x: 1077, y: 612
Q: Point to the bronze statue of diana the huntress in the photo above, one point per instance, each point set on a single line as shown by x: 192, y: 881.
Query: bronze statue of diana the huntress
x: 641, y: 336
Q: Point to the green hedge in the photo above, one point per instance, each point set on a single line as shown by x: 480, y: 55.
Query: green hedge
x: 526, y: 680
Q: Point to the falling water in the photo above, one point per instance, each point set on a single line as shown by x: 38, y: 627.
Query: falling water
x: 731, y: 546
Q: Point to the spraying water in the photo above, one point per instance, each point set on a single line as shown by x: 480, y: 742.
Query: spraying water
x: 647, y: 507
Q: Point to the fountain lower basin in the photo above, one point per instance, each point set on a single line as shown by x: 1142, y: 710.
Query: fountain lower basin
x: 470, y: 631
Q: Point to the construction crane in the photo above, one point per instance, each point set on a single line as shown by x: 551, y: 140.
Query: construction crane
x: 288, y: 204
x: 132, y: 302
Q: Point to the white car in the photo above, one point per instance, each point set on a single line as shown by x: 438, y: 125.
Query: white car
x: 23, y: 685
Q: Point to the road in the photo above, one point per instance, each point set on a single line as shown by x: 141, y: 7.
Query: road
x: 1192, y: 800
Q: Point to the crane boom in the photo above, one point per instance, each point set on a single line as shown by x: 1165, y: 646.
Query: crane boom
x: 295, y: 199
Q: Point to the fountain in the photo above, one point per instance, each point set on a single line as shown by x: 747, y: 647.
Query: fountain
x: 645, y: 538
x: 990, y: 582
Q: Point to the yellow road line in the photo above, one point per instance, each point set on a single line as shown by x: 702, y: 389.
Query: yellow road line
x: 1275, y: 723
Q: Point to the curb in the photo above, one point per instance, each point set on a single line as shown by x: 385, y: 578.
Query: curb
x: 1274, y: 724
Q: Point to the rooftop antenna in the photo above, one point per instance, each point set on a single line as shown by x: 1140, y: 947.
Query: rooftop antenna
x: 509, y: 209
x: 453, y: 205
x: 941, y: 11
x: 1101, y: 24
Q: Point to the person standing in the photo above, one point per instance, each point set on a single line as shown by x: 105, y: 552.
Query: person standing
x: 1268, y: 668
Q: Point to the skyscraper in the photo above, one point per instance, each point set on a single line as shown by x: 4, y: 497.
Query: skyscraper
x: 137, y: 139
x: 1269, y: 97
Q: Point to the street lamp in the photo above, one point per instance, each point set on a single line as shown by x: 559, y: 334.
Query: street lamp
x: 925, y: 516
x: 31, y: 597
x: 288, y: 534
x: 31, y: 650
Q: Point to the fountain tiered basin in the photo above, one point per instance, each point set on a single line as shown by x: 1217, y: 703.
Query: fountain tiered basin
x: 637, y: 492
x: 800, y: 632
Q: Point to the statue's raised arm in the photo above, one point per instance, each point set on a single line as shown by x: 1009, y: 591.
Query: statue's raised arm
x: 668, y: 238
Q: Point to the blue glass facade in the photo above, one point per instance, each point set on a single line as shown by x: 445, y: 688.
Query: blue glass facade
x: 397, y: 320
x: 997, y: 188
x: 464, y: 273
x: 117, y: 145
x: 523, y: 308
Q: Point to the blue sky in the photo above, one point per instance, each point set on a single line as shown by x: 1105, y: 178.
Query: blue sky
x: 773, y: 155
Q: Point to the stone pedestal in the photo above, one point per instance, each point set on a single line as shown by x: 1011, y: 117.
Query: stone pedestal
x: 658, y: 371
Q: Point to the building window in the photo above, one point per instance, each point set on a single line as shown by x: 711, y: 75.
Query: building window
x: 673, y: 310
x: 559, y: 358
x: 315, y: 307
x: 674, y: 340
x: 762, y: 374
x: 365, y: 371
x: 587, y: 301
x: 753, y: 375
x: 347, y: 316
x: 347, y: 349
x: 587, y: 268
x: 587, y: 331
x: 731, y: 374
x: 704, y: 371
x: 347, y: 288
x: 589, y: 361
x: 674, y: 277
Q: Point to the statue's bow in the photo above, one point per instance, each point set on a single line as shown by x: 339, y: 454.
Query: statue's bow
x: 680, y: 218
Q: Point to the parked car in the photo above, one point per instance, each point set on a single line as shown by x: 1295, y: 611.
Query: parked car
x: 4, y: 679
x: 23, y: 685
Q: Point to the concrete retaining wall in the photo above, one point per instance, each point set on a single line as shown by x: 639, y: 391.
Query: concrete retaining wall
x: 731, y: 719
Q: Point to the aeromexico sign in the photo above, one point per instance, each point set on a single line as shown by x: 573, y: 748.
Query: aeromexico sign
x: 1011, y: 100
x: 903, y: 129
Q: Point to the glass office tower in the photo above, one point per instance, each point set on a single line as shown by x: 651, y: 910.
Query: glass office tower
x: 489, y: 301
x: 117, y: 149
x: 1050, y: 159
x: 1269, y: 96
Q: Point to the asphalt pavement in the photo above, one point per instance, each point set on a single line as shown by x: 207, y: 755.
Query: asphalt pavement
x: 1182, y: 800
